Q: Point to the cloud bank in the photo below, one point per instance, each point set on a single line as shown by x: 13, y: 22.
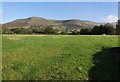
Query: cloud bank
x: 110, y: 19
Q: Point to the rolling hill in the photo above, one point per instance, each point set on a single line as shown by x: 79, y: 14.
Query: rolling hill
x: 42, y: 22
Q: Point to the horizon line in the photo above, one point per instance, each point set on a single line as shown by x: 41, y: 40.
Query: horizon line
x: 55, y: 19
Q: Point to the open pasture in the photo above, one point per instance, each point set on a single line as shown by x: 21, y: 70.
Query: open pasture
x: 36, y: 57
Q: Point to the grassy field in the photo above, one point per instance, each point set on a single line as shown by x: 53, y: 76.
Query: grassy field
x: 35, y: 57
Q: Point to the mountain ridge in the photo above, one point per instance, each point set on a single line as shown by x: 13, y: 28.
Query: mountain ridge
x: 42, y: 22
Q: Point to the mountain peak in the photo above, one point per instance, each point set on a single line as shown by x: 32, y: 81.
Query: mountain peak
x: 35, y: 17
x: 41, y: 22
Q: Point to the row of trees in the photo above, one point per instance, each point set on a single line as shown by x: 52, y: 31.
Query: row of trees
x: 47, y: 30
x: 107, y: 29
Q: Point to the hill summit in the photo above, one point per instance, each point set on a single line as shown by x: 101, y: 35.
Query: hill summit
x: 42, y: 22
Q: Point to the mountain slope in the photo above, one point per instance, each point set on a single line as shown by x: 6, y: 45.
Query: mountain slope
x: 41, y: 22
x: 31, y: 21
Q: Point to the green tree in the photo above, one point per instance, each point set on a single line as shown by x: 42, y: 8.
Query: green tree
x: 6, y: 30
x: 22, y: 30
x: 50, y: 30
x: 103, y: 29
x: 85, y: 31
x: 75, y: 32
x: 64, y: 32
x: 96, y: 30
x: 118, y: 27
x: 109, y: 29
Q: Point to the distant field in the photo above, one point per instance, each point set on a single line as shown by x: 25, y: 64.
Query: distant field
x: 28, y: 57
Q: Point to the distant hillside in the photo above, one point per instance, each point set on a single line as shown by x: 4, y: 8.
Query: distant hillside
x: 41, y: 22
x: 31, y: 21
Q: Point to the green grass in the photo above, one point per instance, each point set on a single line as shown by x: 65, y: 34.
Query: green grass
x: 51, y: 57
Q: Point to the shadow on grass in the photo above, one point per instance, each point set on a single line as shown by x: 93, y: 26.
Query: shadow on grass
x: 106, y: 65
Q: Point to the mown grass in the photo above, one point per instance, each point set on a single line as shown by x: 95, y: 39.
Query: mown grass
x: 51, y: 57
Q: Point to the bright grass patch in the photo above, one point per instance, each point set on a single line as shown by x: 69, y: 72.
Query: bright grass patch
x: 32, y: 57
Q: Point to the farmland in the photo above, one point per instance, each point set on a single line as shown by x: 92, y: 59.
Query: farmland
x: 69, y: 57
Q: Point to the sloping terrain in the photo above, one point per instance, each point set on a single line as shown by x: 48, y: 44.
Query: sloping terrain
x: 41, y: 22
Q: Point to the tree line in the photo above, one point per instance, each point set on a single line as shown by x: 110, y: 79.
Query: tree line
x: 106, y: 29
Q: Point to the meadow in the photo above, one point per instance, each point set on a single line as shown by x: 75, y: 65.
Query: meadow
x: 59, y: 57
